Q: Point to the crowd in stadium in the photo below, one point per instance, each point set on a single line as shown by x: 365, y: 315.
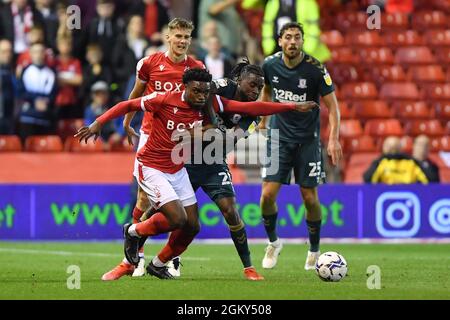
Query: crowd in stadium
x: 397, y: 78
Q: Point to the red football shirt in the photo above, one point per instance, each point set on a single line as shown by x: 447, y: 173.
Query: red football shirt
x: 162, y: 75
x: 67, y: 69
x: 172, y: 115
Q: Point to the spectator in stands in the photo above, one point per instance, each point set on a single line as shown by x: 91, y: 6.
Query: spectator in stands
x: 16, y: 20
x: 94, y: 71
x: 155, y: 16
x: 77, y: 35
x: 394, y: 167
x: 209, y: 29
x: 70, y: 78
x: 99, y: 104
x: 35, y: 35
x: 279, y: 12
x: 128, y: 50
x: 420, y: 152
x: 104, y: 29
x: 215, y: 61
x: 7, y: 88
x: 228, y: 21
x: 50, y: 20
x: 37, y: 89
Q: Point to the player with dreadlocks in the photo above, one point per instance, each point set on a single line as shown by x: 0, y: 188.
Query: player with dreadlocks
x: 244, y: 84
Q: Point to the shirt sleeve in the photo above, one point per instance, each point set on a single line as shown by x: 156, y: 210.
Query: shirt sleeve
x: 325, y: 83
x: 153, y: 101
x: 142, y: 70
x: 256, y: 108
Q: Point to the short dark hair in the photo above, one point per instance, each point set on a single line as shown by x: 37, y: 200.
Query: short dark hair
x: 244, y: 68
x: 291, y: 25
x: 196, y: 74
x: 180, y: 23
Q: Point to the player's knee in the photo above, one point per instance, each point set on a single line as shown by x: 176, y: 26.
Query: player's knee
x: 310, y: 199
x: 231, y: 215
x: 179, y: 221
x: 192, y: 227
x: 268, y: 198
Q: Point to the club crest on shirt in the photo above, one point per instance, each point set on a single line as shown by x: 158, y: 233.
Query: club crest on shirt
x: 175, y: 110
x: 327, y: 79
x: 302, y: 83
x: 161, y: 67
x: 275, y: 79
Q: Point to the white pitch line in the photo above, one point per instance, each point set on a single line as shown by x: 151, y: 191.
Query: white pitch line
x: 84, y: 254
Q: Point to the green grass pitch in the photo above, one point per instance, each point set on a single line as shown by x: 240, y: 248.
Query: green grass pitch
x: 39, y: 271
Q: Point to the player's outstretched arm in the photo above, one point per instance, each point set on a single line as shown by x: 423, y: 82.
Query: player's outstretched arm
x: 116, y: 111
x: 259, y: 108
x: 138, y: 91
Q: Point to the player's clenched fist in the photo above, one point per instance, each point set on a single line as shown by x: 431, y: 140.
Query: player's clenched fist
x: 87, y: 132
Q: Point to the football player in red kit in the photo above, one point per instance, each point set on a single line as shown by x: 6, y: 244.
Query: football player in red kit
x: 163, y: 176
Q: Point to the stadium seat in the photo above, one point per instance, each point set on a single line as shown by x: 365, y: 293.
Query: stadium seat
x: 443, y: 55
x: 395, y: 21
x: 429, y: 73
x: 403, y: 39
x: 350, y: 128
x: 342, y: 73
x: 425, y: 20
x: 357, y: 165
x: 359, y: 144
x: 414, y: 55
x: 442, y: 110
x: 447, y: 128
x: 412, y: 110
x: 376, y: 56
x: 333, y: 38
x: 440, y: 144
x: 431, y: 128
x: 344, y: 55
x: 359, y: 39
x: 394, y: 91
x: 359, y: 90
x: 68, y: 127
x: 437, y: 91
x: 382, y: 74
x: 73, y: 145
x: 351, y: 20
x: 382, y: 128
x: 438, y: 38
x: 10, y: 143
x: 376, y: 109
x: 121, y: 145
x: 49, y: 143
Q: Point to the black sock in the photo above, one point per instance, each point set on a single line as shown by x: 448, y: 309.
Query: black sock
x: 239, y: 236
x: 270, y: 224
x: 314, y: 234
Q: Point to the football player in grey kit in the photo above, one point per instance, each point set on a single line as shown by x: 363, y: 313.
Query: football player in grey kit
x: 293, y: 76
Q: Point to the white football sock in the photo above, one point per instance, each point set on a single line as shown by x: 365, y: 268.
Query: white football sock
x: 158, y: 263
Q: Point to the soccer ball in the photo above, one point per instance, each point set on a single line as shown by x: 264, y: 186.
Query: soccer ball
x: 331, y: 266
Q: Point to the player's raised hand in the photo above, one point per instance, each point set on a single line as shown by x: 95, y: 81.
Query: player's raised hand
x: 87, y: 132
x: 305, y: 106
x: 130, y: 134
x: 334, y: 150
